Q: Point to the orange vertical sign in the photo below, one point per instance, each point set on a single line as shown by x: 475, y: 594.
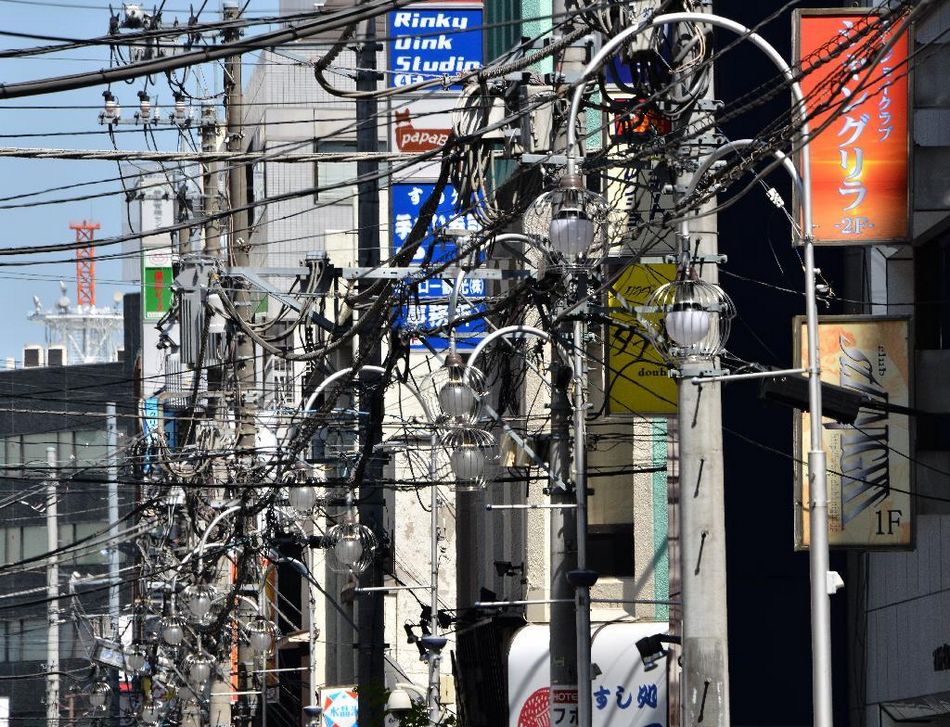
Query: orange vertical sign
x: 859, y: 161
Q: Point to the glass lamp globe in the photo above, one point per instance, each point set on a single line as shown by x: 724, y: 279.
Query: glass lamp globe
x: 570, y: 222
x: 198, y: 599
x: 100, y: 694
x: 453, y: 393
x: 456, y: 398
x: 198, y: 667
x: 687, y: 325
x: 468, y: 449
x: 151, y: 712
x: 173, y: 630
x: 135, y: 658
x: 688, y: 318
x: 571, y: 232
x: 468, y: 462
x: 261, y: 633
x: 348, y: 549
x: 350, y: 546
x: 301, y: 497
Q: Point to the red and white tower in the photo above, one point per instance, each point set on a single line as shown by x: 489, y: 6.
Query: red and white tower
x: 85, y: 262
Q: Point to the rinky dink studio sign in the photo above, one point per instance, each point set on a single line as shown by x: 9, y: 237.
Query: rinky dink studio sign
x: 858, y: 163
x: 427, y: 307
x: 427, y: 43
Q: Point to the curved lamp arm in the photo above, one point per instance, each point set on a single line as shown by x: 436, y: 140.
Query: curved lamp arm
x: 709, y: 19
x: 501, y: 333
x: 728, y: 148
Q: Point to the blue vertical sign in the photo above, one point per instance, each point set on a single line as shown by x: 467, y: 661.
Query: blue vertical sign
x: 407, y: 201
x: 433, y: 43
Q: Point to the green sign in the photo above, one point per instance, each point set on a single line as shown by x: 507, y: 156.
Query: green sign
x: 157, y: 291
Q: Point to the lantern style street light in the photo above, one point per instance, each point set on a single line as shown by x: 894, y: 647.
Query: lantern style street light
x: 686, y: 326
x: 136, y: 657
x: 350, y: 545
x: 199, y: 599
x: 261, y: 635
x: 172, y: 630
x: 100, y: 694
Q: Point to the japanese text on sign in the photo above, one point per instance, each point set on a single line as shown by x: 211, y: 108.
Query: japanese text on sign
x: 859, y: 164
x: 407, y: 201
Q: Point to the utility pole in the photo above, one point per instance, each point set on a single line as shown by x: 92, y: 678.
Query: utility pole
x: 703, y: 548
x: 705, y: 687
x: 52, y: 592
x: 238, y: 254
x: 564, y: 628
x: 563, y: 647
x: 371, y: 501
x: 112, y: 476
x: 209, y: 181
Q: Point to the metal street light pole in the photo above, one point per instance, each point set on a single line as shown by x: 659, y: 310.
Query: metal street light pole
x: 52, y: 591
x: 821, y: 578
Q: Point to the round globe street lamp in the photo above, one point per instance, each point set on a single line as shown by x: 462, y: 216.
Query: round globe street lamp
x: 198, y: 599
x: 459, y: 393
x: 301, y: 495
x: 100, y: 694
x: 469, y: 451
x: 573, y: 221
x: 172, y: 629
x: 688, y: 319
x: 150, y: 712
x: 261, y: 635
x: 198, y: 668
x: 136, y: 656
x: 350, y: 545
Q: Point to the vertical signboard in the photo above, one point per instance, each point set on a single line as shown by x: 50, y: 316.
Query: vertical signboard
x: 859, y: 162
x: 157, y: 281
x: 869, y: 471
x: 431, y: 41
x: 340, y: 706
x: 429, y: 308
x: 623, y: 694
x: 638, y: 380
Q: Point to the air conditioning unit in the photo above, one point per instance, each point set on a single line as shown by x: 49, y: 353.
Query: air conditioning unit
x: 56, y: 356
x: 33, y: 357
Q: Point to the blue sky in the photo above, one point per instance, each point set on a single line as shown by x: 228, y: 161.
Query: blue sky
x: 76, y: 128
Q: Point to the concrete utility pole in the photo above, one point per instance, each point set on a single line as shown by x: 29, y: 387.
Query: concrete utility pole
x: 238, y: 254
x: 52, y: 592
x: 209, y: 181
x: 112, y: 476
x: 705, y: 688
x: 239, y: 241
x: 370, y: 616
x: 564, y: 628
x: 703, y: 547
x: 563, y: 646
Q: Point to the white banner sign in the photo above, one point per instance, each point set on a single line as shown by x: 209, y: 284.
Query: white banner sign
x: 624, y: 694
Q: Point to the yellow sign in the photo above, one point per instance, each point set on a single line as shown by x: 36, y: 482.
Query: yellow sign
x: 869, y: 473
x: 637, y: 377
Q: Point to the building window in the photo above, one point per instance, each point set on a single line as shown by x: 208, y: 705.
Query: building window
x: 29, y: 541
x: 932, y: 324
x: 334, y: 180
